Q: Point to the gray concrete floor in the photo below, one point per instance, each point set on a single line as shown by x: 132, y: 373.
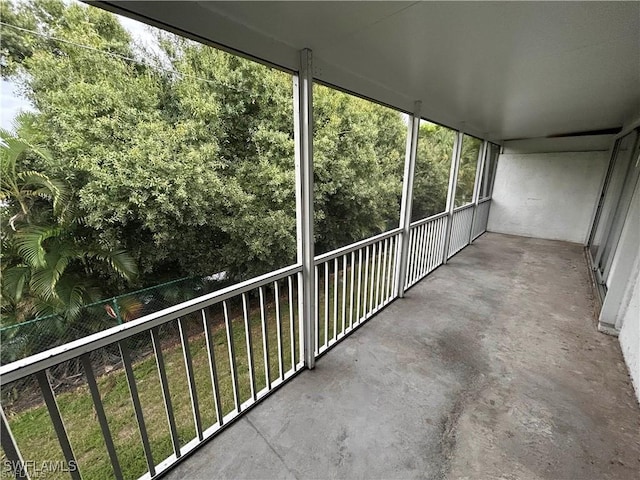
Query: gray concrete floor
x: 489, y: 368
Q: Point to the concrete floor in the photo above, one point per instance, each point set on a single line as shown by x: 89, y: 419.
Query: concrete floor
x: 490, y: 368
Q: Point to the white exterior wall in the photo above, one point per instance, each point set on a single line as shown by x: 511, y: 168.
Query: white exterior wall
x: 548, y: 195
x: 621, y: 307
x: 630, y: 335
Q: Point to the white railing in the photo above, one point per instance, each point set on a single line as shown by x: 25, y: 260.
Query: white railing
x: 426, y: 247
x: 352, y: 284
x: 247, y: 341
x: 237, y: 344
x: 481, y: 218
x: 461, y: 221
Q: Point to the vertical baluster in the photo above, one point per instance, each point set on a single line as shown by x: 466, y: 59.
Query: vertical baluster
x: 317, y: 311
x: 336, y: 277
x: 58, y: 425
x: 427, y: 250
x: 137, y: 407
x: 433, y: 247
x: 418, y: 251
x: 378, y: 265
x: 249, y: 341
x: 276, y: 290
x: 412, y: 257
x: 366, y: 283
x: 374, y: 257
x: 454, y: 219
x: 390, y: 274
x: 265, y: 339
x: 326, y: 303
x: 416, y: 257
x: 393, y: 268
x: 440, y: 241
x: 359, y: 298
x: 232, y: 356
x: 344, y: 293
x: 10, y: 447
x: 383, y: 279
x: 188, y: 363
x: 213, y: 369
x: 164, y: 384
x: 353, y: 288
x: 292, y: 325
x: 423, y: 249
x: 443, y: 238
x: 102, y: 417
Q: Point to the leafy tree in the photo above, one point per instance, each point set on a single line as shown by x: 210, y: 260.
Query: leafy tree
x: 358, y: 164
x: 185, y: 157
x: 47, y: 264
x: 467, y: 171
x: 27, y: 189
x: 433, y: 161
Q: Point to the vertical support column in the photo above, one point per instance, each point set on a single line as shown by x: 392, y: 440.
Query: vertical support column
x: 486, y: 183
x: 407, y: 197
x: 482, y: 157
x: 451, y: 195
x: 303, y: 132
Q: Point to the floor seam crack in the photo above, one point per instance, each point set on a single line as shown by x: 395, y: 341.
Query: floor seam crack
x: 270, y: 446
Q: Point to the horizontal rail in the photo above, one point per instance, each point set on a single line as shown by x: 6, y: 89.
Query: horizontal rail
x: 463, y: 207
x: 35, y: 363
x: 355, y: 246
x: 483, y: 200
x: 422, y: 221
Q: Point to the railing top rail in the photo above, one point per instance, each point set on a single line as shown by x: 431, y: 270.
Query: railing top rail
x: 463, y: 207
x: 484, y: 200
x: 355, y: 246
x: 35, y: 363
x: 428, y: 219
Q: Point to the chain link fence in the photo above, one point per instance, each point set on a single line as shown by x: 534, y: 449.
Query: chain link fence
x: 40, y: 334
x: 34, y: 336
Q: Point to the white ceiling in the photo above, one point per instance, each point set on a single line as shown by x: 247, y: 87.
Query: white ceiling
x: 497, y: 70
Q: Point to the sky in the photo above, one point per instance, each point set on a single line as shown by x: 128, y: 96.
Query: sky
x: 11, y: 103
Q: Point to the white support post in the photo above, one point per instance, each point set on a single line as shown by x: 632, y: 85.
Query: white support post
x: 451, y: 196
x: 486, y: 171
x: 303, y: 132
x: 482, y: 158
x: 407, y: 197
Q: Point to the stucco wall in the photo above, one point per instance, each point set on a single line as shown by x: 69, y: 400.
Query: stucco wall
x: 630, y: 335
x: 547, y: 195
x: 621, y: 308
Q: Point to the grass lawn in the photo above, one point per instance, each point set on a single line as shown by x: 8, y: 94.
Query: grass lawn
x: 34, y: 432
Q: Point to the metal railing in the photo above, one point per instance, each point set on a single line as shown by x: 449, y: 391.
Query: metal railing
x: 481, y: 218
x: 37, y: 335
x: 237, y: 345
x: 426, y: 247
x: 461, y: 221
x: 352, y: 284
x: 232, y: 347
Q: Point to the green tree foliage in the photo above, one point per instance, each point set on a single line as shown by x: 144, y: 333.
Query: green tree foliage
x: 358, y: 165
x: 47, y: 264
x: 467, y: 171
x: 184, y: 155
x: 433, y: 161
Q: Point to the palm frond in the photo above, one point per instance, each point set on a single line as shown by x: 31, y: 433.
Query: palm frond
x: 43, y: 283
x: 30, y: 244
x: 120, y: 261
x: 14, y: 280
x: 74, y: 293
